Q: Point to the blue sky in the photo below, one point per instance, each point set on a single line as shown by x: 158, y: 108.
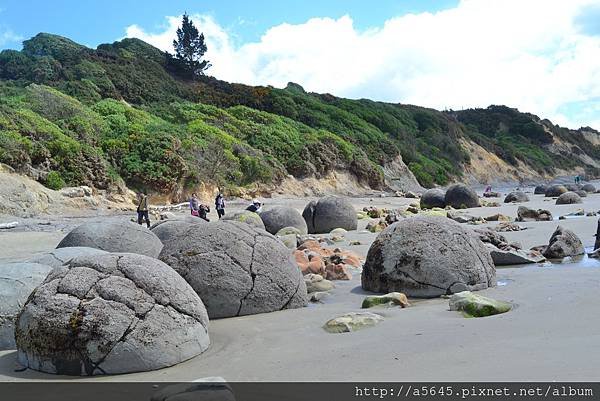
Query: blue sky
x: 541, y: 56
x: 96, y: 22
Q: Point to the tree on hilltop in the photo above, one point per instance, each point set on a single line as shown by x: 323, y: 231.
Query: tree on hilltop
x: 189, y: 49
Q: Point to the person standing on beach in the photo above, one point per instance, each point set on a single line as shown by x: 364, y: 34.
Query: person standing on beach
x: 142, y: 209
x: 197, y: 209
x: 220, y: 205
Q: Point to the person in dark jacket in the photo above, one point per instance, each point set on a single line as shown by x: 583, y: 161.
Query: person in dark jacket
x: 255, y: 206
x: 220, y: 205
x: 142, y: 209
x: 198, y: 209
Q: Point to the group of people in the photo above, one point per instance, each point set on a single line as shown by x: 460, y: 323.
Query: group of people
x: 197, y: 208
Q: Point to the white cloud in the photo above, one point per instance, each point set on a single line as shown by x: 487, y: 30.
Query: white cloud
x: 8, y: 36
x: 529, y: 54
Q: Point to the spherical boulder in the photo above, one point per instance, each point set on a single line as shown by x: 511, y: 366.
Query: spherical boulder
x: 328, y: 213
x: 111, y: 314
x: 460, y: 196
x: 114, y: 235
x: 427, y: 257
x: 540, y: 190
x: 590, y: 188
x: 246, y: 216
x: 17, y: 281
x: 171, y: 228
x: 60, y: 256
x: 236, y: 269
x: 555, y: 190
x: 573, y: 187
x: 279, y: 217
x: 568, y: 198
x: 434, y: 197
x: 516, y: 196
x: 581, y: 193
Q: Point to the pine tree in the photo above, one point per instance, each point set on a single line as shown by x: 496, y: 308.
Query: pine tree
x: 190, y: 48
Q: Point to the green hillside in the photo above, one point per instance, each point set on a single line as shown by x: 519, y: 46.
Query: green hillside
x: 73, y: 115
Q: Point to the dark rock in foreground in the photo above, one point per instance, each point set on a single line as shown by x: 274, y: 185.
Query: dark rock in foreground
x: 328, y: 213
x: 114, y: 235
x: 540, y: 190
x: 236, y: 269
x: 427, y: 257
x: 110, y: 314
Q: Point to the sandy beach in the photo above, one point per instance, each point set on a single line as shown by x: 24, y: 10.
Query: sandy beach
x: 551, y: 334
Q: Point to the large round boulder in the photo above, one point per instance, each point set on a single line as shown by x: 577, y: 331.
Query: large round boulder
x: 434, y: 197
x: 427, y: 257
x: 329, y: 213
x: 171, y: 228
x: 516, y: 196
x: 61, y: 256
x: 110, y: 314
x: 246, y: 216
x: 460, y: 196
x: 186, y: 219
x: 540, y: 190
x: 573, y: 187
x: 114, y: 235
x: 581, y: 193
x: 568, y: 198
x: 236, y: 269
x: 590, y: 188
x: 555, y: 190
x: 17, y: 281
x: 279, y: 217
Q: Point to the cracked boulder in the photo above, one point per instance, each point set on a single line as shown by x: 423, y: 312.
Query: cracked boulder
x: 171, y: 228
x: 555, y: 190
x: 563, y: 243
x: 17, y: 281
x: 60, y: 256
x: 236, y: 269
x: 569, y: 198
x: 110, y: 314
x: 248, y: 217
x: 328, y: 213
x: 279, y: 217
x: 113, y: 235
x: 426, y: 257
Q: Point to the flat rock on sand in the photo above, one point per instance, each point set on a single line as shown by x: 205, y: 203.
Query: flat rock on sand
x: 17, y: 281
x: 114, y: 235
x: 109, y: 314
x: 427, y: 257
x: 236, y: 269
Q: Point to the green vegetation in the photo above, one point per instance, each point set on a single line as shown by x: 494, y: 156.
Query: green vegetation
x: 122, y: 111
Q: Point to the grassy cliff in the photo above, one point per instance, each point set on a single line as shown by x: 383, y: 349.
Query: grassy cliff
x: 71, y: 115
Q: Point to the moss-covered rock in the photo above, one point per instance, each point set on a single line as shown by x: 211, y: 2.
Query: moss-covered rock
x: 393, y: 298
x: 473, y: 305
x: 352, y: 321
x: 288, y: 231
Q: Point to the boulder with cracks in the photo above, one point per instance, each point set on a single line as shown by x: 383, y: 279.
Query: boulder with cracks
x: 110, y: 314
x: 236, y: 269
x: 427, y: 257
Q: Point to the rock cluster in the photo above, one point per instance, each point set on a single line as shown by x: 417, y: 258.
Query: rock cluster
x: 333, y: 264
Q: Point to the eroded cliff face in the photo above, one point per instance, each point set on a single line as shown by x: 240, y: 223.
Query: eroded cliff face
x: 399, y: 178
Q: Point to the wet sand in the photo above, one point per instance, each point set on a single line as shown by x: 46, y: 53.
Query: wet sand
x: 552, y: 334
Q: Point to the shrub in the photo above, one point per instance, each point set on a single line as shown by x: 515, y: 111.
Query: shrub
x: 54, y: 181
